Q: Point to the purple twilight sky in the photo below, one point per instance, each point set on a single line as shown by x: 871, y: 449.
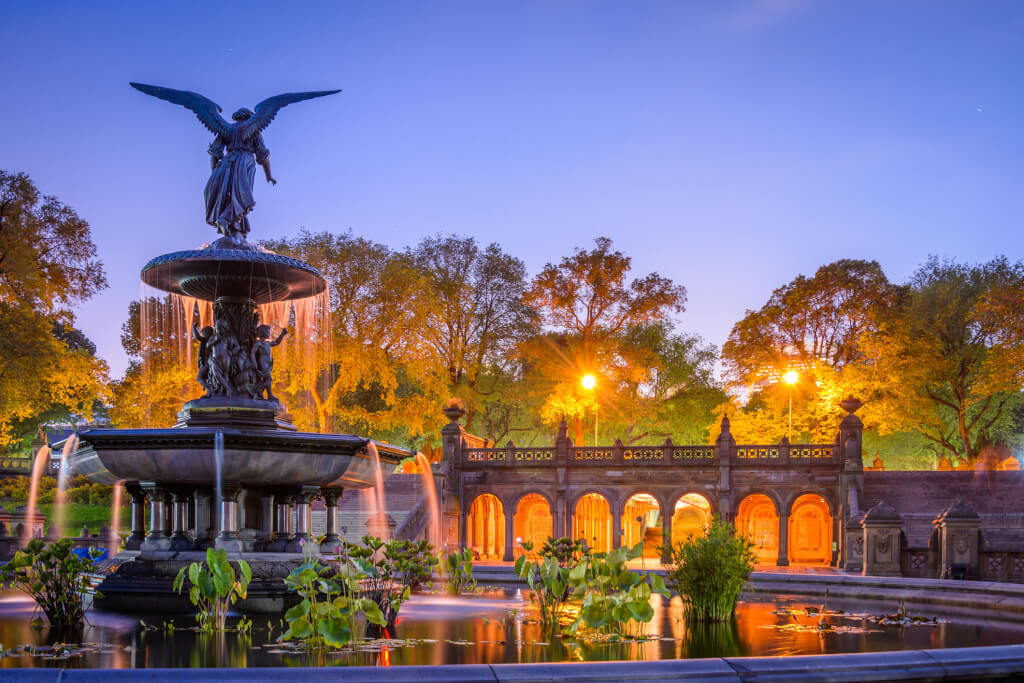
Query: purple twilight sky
x: 727, y: 145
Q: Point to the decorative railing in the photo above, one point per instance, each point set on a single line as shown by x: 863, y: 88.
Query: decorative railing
x: 665, y: 454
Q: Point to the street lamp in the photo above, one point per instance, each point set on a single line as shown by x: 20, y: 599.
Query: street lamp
x: 589, y: 383
x: 790, y: 379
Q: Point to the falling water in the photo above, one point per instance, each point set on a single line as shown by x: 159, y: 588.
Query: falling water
x: 114, y: 540
x: 379, y: 508
x: 61, y: 494
x: 38, y: 468
x: 430, y: 491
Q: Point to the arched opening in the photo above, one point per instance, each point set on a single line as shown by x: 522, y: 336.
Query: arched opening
x: 485, y: 528
x: 531, y: 523
x: 810, y: 531
x: 592, y: 521
x: 641, y: 521
x: 691, y: 517
x: 758, y: 519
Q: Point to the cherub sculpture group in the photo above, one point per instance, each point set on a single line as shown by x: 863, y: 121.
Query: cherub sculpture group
x: 229, y: 366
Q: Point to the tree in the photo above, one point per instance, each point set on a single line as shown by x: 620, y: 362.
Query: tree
x: 47, y: 265
x: 372, y: 376
x: 814, y: 326
x: 944, y: 362
x: 476, y: 318
x: 586, y: 301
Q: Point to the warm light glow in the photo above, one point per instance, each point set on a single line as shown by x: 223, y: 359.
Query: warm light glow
x: 790, y: 377
x: 588, y: 381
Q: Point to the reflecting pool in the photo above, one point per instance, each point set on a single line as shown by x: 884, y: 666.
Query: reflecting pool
x: 498, y: 627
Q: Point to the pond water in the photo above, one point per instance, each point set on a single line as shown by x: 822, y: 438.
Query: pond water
x: 499, y: 627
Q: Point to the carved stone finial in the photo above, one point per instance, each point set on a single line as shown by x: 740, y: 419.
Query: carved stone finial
x: 851, y: 404
x: 454, y: 409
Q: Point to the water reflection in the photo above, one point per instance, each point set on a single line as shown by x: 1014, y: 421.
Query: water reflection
x: 497, y: 627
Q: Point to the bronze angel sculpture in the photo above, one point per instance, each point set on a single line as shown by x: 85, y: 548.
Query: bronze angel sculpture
x: 234, y: 153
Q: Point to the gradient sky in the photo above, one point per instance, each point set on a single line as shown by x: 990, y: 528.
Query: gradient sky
x: 727, y: 145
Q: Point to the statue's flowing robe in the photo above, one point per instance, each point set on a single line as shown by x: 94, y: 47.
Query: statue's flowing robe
x: 229, y: 189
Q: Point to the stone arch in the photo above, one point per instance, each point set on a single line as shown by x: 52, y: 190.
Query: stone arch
x: 790, y: 500
x: 757, y: 516
x: 592, y: 520
x: 691, y: 515
x: 641, y: 515
x: 810, y: 530
x: 532, y: 521
x: 485, y: 526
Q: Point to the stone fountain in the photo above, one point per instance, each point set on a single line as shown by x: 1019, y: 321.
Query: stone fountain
x: 234, y: 472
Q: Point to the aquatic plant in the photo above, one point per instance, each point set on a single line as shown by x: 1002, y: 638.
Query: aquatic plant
x: 214, y: 587
x: 549, y: 585
x: 457, y: 571
x: 56, y: 579
x: 330, y: 607
x: 709, y: 571
x: 390, y: 570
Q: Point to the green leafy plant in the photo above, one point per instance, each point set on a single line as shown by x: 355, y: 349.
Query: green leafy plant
x: 709, y: 571
x: 214, y: 587
x: 549, y: 584
x: 56, y: 579
x: 390, y: 570
x: 457, y: 571
x: 328, y: 613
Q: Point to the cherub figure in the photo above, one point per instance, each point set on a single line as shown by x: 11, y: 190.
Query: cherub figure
x: 223, y: 348
x: 203, y: 359
x: 263, y: 360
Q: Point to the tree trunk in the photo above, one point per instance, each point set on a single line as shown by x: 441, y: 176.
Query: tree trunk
x: 578, y: 430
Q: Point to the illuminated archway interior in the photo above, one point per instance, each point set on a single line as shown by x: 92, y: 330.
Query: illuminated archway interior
x: 485, y: 528
x: 641, y: 520
x: 810, y: 531
x: 691, y: 517
x: 532, y: 522
x: 592, y: 521
x: 758, y: 519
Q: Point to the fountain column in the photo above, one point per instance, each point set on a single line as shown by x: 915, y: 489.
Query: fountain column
x: 157, y: 539
x: 138, y: 534
x: 331, y: 542
x: 227, y: 538
x: 179, y: 519
x: 303, y: 540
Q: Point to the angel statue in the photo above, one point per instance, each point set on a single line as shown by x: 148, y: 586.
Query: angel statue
x: 234, y: 153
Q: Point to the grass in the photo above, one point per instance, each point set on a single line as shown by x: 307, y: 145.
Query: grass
x: 77, y: 515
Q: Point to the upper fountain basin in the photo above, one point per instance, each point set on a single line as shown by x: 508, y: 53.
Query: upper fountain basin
x: 214, y: 272
x: 252, y: 458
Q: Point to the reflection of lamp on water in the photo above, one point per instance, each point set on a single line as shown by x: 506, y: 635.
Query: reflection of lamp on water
x: 589, y: 383
x: 790, y: 379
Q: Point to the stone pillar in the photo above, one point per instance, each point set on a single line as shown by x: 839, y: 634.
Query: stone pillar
x: 227, y: 531
x: 138, y: 535
x: 157, y: 539
x: 206, y: 531
x: 848, y: 452
x: 783, y: 558
x: 179, y: 520
x: 616, y: 527
x: 883, y: 527
x: 509, y: 533
x: 266, y: 525
x: 959, y: 528
x: 853, y: 545
x: 666, y: 537
x: 724, y: 447
x: 332, y: 541
x: 559, y: 522
x: 279, y: 541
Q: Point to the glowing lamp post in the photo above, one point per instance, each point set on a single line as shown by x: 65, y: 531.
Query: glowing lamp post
x: 589, y: 383
x: 790, y: 379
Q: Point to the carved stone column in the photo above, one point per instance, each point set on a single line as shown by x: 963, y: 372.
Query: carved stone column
x: 666, y: 537
x: 882, y: 535
x: 282, y: 529
x: 179, y: 520
x: 959, y: 528
x: 157, y: 539
x: 138, y: 535
x: 303, y: 539
x: 227, y: 536
x: 783, y: 558
x: 616, y: 527
x: 331, y: 542
x: 508, y: 556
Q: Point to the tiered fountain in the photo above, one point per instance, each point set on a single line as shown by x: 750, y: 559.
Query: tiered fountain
x: 233, y: 472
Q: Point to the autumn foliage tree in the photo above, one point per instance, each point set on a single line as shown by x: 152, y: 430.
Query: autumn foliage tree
x: 47, y: 266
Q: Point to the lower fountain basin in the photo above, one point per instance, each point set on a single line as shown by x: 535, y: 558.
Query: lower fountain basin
x: 252, y: 457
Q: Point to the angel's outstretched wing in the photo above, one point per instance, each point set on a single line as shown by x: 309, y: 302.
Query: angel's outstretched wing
x: 268, y: 108
x: 206, y: 109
